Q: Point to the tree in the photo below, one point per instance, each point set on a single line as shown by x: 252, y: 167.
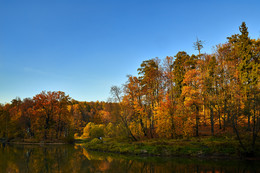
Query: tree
x: 170, y: 96
x: 210, y: 87
x: 124, y: 116
x: 5, y: 121
x: 179, y: 70
x: 198, y: 45
x: 151, y: 86
x: 245, y: 59
x: 192, y: 94
x: 52, y: 113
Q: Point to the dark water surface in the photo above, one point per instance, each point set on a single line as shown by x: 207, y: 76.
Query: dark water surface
x: 75, y: 159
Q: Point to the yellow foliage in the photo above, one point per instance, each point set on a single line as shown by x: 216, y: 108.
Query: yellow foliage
x: 87, y: 129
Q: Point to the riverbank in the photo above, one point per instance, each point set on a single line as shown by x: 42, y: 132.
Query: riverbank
x: 210, y: 147
x: 37, y: 143
x: 33, y: 141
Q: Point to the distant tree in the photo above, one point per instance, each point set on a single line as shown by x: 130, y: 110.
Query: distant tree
x: 198, y: 45
x: 51, y: 110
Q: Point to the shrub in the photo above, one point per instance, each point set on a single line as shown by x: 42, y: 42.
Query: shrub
x: 93, y: 131
x: 96, y: 132
x: 87, y: 129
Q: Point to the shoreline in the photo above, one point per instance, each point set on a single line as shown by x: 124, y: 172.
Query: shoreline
x: 226, y: 150
x: 33, y: 142
x: 173, y: 156
x: 36, y: 143
x: 212, y: 157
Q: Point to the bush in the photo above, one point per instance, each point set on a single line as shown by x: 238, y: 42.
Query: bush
x: 87, y: 129
x: 93, y: 131
x: 96, y: 132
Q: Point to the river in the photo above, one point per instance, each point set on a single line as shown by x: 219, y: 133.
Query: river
x: 75, y: 159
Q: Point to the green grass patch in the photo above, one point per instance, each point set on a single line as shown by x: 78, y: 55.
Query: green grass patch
x: 198, y: 147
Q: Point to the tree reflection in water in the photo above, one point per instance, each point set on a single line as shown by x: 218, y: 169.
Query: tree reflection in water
x: 75, y: 159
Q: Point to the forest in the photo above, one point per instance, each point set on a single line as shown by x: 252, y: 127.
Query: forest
x: 178, y: 97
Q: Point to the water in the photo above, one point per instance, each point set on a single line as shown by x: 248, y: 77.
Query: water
x: 75, y: 159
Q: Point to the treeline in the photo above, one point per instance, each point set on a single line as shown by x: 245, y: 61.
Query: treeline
x: 192, y: 95
x: 181, y: 96
x: 51, y: 116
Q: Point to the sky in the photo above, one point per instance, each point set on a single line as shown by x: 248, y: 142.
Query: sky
x: 83, y: 47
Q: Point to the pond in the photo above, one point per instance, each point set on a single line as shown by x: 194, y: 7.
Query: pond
x: 75, y: 159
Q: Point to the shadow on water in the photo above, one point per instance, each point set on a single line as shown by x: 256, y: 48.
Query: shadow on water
x: 70, y: 158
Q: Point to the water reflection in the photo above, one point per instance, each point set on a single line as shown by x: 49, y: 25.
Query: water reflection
x: 75, y: 159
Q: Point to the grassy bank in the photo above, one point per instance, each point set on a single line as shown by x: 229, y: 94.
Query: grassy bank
x: 197, y: 147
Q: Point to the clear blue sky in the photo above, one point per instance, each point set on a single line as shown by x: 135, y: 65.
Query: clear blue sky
x: 83, y: 47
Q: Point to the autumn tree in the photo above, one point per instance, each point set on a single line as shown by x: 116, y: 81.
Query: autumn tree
x: 168, y: 107
x: 4, y: 121
x: 116, y: 92
x: 210, y: 88
x: 51, y: 110
x: 179, y: 71
x: 245, y: 53
x: 192, y: 93
x: 150, y: 76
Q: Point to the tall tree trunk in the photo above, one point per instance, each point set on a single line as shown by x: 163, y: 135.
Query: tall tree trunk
x: 219, y: 119
x: 237, y: 133
x: 255, y: 124
x: 197, y: 121
x: 204, y: 112
x: 225, y: 115
x: 173, y: 132
x: 211, y: 120
x: 247, y: 107
x: 248, y: 120
x: 151, y: 126
x: 127, y: 128
x: 143, y: 128
x: 46, y: 127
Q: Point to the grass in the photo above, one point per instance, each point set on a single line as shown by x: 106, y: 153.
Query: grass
x: 198, y: 147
